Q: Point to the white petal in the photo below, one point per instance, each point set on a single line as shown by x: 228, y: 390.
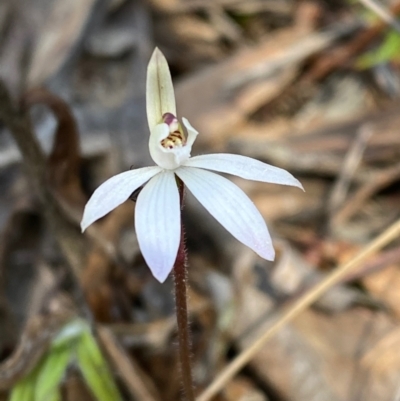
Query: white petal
x: 192, y: 133
x: 157, y: 152
x: 158, y: 223
x: 160, y: 97
x: 169, y: 159
x: 113, y: 192
x: 231, y: 207
x: 244, y: 167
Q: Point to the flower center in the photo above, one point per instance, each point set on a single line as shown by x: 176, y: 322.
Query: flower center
x: 176, y: 138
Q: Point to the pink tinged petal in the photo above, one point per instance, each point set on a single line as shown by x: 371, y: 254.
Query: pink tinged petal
x: 244, y: 167
x: 158, y: 223
x: 231, y: 207
x: 113, y: 192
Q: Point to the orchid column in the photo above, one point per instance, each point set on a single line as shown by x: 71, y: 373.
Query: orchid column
x: 158, y: 207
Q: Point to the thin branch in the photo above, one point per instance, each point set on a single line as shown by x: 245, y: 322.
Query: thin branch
x: 34, y: 162
x: 137, y: 383
x: 355, y: 203
x: 350, y: 164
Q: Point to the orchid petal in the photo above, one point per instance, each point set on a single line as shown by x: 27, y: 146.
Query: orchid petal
x: 231, y: 207
x: 157, y: 152
x: 166, y: 158
x: 192, y: 133
x: 158, y: 223
x: 244, y: 167
x: 160, y: 97
x: 113, y: 192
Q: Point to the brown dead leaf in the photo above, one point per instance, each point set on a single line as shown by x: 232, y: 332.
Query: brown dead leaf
x: 314, y: 358
x: 322, y: 150
x: 106, y: 292
x: 279, y: 202
x: 241, y: 389
x: 229, y: 91
x: 384, y: 285
x: 317, y: 356
x: 63, y: 27
x: 381, y: 359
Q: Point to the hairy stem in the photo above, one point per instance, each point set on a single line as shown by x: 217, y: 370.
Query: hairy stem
x: 180, y: 280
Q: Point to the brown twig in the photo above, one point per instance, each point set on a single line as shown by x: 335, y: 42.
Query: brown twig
x: 34, y: 161
x: 140, y: 387
x: 350, y: 165
x: 365, y: 192
x: 64, y: 161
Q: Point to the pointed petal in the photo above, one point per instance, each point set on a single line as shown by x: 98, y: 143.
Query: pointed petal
x: 244, y: 167
x: 192, y: 133
x: 113, y: 192
x: 231, y: 207
x: 158, y: 223
x: 160, y: 97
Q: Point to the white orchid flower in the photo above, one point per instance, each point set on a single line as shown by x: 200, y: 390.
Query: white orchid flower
x: 158, y: 214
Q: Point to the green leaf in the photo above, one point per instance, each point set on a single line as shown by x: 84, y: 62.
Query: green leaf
x: 389, y: 50
x: 56, y: 396
x: 95, y: 370
x: 24, y: 390
x: 51, y: 373
x: 70, y: 332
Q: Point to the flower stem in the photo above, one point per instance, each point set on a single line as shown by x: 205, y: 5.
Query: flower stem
x: 180, y: 280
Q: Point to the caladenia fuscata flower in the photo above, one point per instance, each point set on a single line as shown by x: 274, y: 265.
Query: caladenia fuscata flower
x: 158, y: 209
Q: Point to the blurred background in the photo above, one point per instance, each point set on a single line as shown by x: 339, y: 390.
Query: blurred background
x: 311, y: 86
